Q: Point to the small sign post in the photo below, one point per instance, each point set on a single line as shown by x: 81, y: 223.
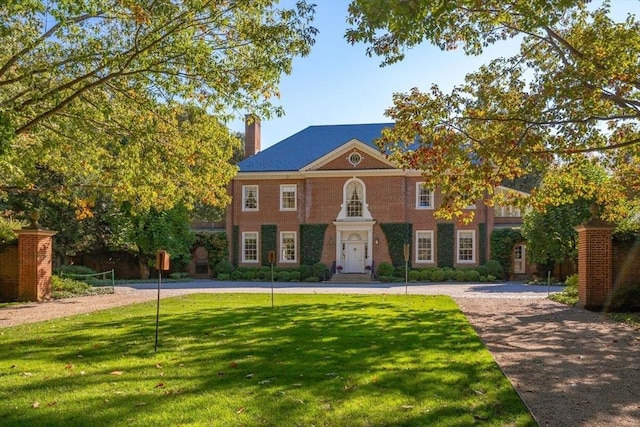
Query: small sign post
x: 272, y: 260
x: 406, y: 268
x: 162, y: 263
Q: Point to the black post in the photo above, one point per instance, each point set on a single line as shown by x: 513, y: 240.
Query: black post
x: 155, y: 349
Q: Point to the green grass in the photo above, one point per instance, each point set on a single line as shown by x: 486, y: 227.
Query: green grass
x: 233, y: 360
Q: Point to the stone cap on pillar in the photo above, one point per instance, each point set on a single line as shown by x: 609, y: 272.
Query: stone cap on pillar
x: 595, y: 222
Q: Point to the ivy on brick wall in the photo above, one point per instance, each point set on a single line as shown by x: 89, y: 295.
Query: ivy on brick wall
x: 446, y: 245
x: 215, y: 244
x: 502, y: 242
x: 269, y: 240
x: 311, y: 242
x: 482, y: 243
x: 236, y: 244
x: 397, y: 234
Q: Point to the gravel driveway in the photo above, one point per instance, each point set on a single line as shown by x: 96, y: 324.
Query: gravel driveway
x: 571, y: 367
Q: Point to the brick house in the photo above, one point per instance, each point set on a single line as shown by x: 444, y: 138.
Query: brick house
x: 334, y: 178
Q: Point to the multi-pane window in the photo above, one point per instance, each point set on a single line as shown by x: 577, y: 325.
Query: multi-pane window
x: 466, y: 246
x: 250, y: 247
x: 288, y: 246
x: 288, y: 197
x: 249, y: 197
x: 424, y: 246
x: 355, y: 195
x: 424, y: 196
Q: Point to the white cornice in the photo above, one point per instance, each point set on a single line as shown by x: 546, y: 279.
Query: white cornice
x: 344, y: 173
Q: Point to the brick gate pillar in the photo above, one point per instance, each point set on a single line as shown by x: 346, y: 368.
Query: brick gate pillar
x: 595, y: 264
x: 35, y: 256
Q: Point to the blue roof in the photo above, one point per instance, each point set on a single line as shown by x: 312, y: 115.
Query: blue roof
x: 308, y: 145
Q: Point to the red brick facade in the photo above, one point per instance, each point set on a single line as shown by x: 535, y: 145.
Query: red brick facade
x: 595, y: 274
x: 322, y: 195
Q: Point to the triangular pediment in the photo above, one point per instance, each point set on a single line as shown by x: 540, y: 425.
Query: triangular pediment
x: 352, y: 155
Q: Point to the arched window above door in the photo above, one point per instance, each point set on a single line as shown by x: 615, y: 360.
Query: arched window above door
x: 354, y: 201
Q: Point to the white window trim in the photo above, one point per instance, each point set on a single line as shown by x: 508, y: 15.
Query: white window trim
x: 473, y: 247
x: 295, y: 247
x: 244, y: 242
x: 419, y: 186
x: 295, y: 197
x: 244, y: 200
x: 417, y: 259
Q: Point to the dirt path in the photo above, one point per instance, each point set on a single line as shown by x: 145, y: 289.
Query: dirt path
x: 570, y: 366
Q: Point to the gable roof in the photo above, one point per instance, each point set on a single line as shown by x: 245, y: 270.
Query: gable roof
x: 310, y: 144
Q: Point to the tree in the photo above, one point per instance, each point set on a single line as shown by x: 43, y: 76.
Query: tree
x: 573, y: 88
x: 549, y: 226
x: 130, y: 97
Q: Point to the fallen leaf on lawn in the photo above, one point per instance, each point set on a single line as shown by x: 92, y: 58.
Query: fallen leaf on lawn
x: 52, y: 403
x: 159, y: 366
x: 264, y: 382
x: 331, y: 374
x: 35, y: 405
x: 116, y: 373
x: 250, y: 376
x: 14, y: 366
x: 220, y: 374
x: 239, y: 411
x: 160, y: 385
x: 140, y: 404
x: 296, y: 385
x: 233, y: 364
x: 407, y: 406
x: 27, y: 374
x: 68, y: 366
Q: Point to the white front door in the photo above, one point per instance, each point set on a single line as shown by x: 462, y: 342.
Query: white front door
x: 354, y: 257
x: 519, y: 259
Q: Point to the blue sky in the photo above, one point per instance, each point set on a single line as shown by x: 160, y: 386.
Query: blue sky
x: 338, y: 84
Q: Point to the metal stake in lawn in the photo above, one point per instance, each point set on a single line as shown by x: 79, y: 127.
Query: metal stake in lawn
x: 162, y: 263
x: 272, y: 258
x: 406, y: 268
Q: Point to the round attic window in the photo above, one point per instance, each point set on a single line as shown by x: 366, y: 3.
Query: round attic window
x: 355, y: 158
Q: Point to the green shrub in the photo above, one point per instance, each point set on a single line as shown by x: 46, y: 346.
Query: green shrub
x: 572, y: 281
x: 386, y: 279
x: 175, y: 276
x: 437, y: 275
x: 249, y: 275
x: 414, y: 275
x: 224, y: 276
x: 459, y: 275
x: 482, y: 270
x: 283, y: 276
x: 425, y: 275
x: 263, y: 275
x: 495, y: 269
x: 483, y: 279
x: 625, y: 298
x: 311, y: 279
x: 74, y: 269
x: 65, y: 287
x: 471, y: 275
x: 320, y: 270
x: 305, y: 271
x: 491, y: 278
x: 449, y: 273
x: 399, y: 272
x: 385, y: 269
x: 224, y: 267
x: 295, y: 276
x: 236, y: 275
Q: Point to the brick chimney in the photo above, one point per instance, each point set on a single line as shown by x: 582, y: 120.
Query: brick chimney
x: 251, y: 135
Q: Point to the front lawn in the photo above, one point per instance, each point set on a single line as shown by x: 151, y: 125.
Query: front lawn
x: 233, y: 360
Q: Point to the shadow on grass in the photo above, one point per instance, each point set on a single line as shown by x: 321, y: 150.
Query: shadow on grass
x: 234, y: 360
